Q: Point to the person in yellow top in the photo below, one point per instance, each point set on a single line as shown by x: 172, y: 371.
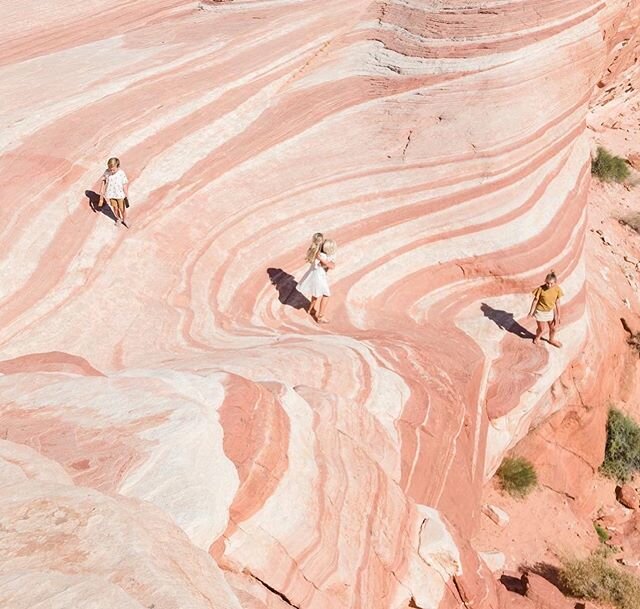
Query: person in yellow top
x: 545, y: 308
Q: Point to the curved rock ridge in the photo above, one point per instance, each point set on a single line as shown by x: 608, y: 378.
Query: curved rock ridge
x: 176, y: 431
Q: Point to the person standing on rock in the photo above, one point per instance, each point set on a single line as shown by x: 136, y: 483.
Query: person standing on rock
x: 314, y: 284
x: 545, y: 308
x: 115, y: 188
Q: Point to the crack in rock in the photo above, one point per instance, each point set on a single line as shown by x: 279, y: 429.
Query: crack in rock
x: 404, y: 150
x: 274, y: 591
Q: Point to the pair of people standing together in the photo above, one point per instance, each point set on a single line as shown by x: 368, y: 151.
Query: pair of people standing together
x: 114, y: 187
x: 314, y: 283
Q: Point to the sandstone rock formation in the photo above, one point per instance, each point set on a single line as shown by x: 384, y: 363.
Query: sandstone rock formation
x: 627, y: 496
x: 176, y: 432
x: 496, y: 514
x: 543, y: 593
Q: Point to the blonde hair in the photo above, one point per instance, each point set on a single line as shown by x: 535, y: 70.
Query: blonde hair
x: 329, y: 247
x: 551, y: 276
x: 113, y: 162
x: 314, y: 248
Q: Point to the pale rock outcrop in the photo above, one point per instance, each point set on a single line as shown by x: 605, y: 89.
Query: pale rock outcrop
x: 65, y: 545
x: 494, y: 559
x: 496, y: 514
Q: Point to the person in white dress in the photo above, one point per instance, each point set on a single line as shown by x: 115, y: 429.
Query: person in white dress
x: 115, y: 188
x: 314, y: 283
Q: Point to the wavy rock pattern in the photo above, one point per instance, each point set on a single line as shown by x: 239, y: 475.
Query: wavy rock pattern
x: 176, y: 432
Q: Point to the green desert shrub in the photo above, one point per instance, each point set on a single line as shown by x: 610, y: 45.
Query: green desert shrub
x: 603, y: 535
x: 622, y: 451
x: 597, y: 578
x: 609, y: 168
x: 517, y: 476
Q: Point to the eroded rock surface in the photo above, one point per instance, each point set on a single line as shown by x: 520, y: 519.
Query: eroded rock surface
x: 177, y: 432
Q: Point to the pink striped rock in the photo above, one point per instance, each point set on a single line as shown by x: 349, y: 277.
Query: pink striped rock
x: 176, y: 431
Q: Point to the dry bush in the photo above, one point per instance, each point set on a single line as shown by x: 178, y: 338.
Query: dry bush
x: 632, y: 221
x: 609, y: 168
x: 597, y: 578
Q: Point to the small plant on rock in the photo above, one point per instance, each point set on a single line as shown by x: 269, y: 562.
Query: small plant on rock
x: 517, y: 476
x: 603, y: 535
x: 622, y: 451
x: 609, y: 168
x: 597, y: 578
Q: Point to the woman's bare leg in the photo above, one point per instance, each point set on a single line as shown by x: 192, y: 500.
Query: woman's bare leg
x: 312, y: 305
x: 323, y: 307
x: 552, y: 335
x: 115, y: 208
x: 539, y: 330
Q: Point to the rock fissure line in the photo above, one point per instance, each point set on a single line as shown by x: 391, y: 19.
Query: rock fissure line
x: 404, y: 150
x: 571, y: 452
x: 271, y: 589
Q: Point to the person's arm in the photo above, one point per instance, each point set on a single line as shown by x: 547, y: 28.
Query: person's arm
x: 325, y: 261
x: 125, y: 185
x: 534, y: 304
x: 556, y: 315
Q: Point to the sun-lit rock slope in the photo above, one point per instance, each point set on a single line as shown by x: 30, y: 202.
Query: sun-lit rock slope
x: 176, y: 432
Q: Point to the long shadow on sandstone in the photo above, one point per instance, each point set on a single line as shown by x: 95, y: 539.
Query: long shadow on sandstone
x: 505, y: 321
x: 550, y: 572
x: 94, y: 200
x: 287, y: 287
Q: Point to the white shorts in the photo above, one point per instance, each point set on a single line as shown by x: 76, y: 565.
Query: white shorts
x: 544, y: 316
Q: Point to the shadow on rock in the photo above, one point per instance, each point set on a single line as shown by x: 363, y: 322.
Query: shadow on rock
x: 549, y: 572
x: 505, y: 321
x: 513, y: 584
x: 94, y: 202
x: 287, y: 287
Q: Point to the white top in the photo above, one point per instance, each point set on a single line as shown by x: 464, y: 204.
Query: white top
x: 322, y: 257
x: 115, y: 184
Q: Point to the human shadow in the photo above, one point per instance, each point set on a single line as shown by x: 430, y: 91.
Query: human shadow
x: 94, y: 201
x: 287, y: 288
x: 505, y: 321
